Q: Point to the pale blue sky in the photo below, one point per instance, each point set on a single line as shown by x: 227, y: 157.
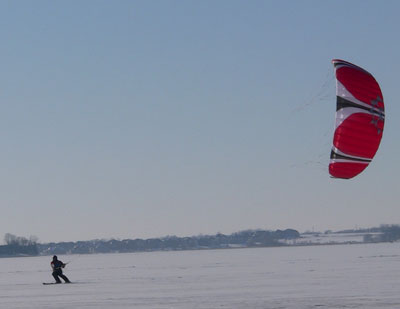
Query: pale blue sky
x: 138, y: 119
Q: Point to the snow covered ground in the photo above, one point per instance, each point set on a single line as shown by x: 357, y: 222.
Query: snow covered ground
x: 330, y: 238
x: 339, y: 276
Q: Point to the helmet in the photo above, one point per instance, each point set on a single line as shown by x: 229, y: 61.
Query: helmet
x: 54, y: 257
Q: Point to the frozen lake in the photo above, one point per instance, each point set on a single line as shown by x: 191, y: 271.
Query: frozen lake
x: 337, y: 276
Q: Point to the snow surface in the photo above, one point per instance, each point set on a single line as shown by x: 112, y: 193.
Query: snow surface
x: 335, y: 276
x: 330, y: 238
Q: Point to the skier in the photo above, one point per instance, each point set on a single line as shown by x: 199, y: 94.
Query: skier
x: 57, y: 266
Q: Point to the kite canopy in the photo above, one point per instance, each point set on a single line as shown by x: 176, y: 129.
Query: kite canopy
x: 360, y: 118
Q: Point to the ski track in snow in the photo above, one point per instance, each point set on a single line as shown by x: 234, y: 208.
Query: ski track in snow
x: 312, y: 277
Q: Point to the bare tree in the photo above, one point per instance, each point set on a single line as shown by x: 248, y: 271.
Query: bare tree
x: 10, y: 239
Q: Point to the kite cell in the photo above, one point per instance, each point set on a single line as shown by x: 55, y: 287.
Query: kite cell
x: 360, y: 117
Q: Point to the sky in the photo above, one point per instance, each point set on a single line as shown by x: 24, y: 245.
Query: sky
x: 140, y: 119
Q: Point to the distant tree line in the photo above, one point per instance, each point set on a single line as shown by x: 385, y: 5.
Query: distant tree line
x: 361, y: 230
x: 19, y: 246
x: 387, y: 233
x: 243, y: 239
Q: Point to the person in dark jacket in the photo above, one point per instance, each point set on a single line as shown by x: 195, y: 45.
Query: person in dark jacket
x: 57, y: 267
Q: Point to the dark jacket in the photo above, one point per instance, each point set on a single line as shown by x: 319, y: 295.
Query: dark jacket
x: 57, y: 265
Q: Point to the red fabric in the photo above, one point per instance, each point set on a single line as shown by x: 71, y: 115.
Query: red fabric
x: 358, y: 135
x: 346, y: 169
x: 360, y: 84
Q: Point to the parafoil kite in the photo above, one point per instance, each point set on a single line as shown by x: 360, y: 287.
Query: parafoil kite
x: 360, y: 118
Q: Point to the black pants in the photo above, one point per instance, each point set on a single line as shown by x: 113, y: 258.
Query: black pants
x: 58, y: 273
